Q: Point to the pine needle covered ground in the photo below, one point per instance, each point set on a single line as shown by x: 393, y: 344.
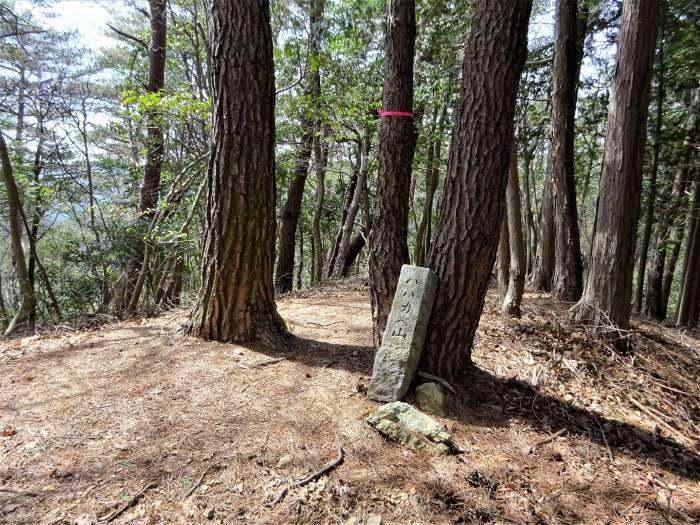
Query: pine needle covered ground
x: 135, y: 417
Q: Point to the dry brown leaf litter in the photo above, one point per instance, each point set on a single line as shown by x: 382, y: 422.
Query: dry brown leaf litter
x: 90, y: 418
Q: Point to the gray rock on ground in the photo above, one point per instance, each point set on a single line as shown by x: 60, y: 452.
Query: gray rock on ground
x: 408, y: 426
x: 431, y: 398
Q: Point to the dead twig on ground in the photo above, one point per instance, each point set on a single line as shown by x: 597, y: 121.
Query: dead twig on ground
x: 262, y: 363
x: 605, y: 439
x: 313, y: 477
x: 199, y: 482
x: 530, y: 449
x: 113, y: 515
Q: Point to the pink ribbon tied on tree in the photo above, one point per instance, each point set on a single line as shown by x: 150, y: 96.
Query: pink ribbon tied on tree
x: 383, y: 113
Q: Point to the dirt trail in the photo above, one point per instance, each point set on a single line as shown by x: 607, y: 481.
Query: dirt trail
x: 88, y: 419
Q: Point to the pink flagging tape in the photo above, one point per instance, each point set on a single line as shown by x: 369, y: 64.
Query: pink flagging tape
x: 395, y: 113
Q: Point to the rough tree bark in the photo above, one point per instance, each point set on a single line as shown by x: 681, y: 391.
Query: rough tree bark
x: 397, y: 140
x: 27, y: 298
x: 236, y: 301
x: 154, y: 128
x: 295, y: 192
x: 568, y: 271
x: 516, y: 281
x: 608, y: 292
x: 464, y: 249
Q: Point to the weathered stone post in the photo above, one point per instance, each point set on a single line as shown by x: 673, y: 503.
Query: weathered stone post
x: 396, y: 361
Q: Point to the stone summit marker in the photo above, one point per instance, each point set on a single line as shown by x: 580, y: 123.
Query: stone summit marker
x: 396, y: 361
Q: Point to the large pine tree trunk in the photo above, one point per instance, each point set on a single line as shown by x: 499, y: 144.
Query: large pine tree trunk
x: 27, y: 297
x: 607, y: 296
x: 568, y: 272
x: 397, y: 140
x: 516, y: 273
x: 464, y: 249
x: 236, y: 300
x: 154, y: 127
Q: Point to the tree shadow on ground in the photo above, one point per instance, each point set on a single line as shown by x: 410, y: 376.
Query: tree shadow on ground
x: 490, y: 401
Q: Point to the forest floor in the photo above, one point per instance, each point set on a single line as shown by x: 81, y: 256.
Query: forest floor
x: 90, y: 418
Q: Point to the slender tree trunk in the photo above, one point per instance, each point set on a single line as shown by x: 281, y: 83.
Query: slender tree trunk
x: 655, y: 302
x: 692, y: 217
x: 300, y: 272
x: 516, y: 282
x: 27, y: 297
x: 360, y: 240
x: 347, y: 202
x: 321, y: 160
x: 503, y: 260
x: 651, y: 197
x: 690, y: 291
x: 657, y: 270
x: 292, y: 209
x: 346, y: 234
x: 673, y: 260
x: 419, y: 248
x: 530, y: 234
x: 435, y: 176
x: 295, y: 193
x: 608, y: 293
x: 464, y: 249
x: 543, y: 269
x: 154, y: 128
x: 432, y: 176
x: 568, y: 271
x: 236, y: 301
x: 397, y: 142
x: 3, y: 310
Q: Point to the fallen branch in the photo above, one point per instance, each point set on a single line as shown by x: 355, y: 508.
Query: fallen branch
x: 262, y: 363
x: 325, y: 470
x: 113, y: 515
x: 531, y: 448
x: 426, y: 375
x: 199, y: 482
x: 550, y: 438
x: 660, y: 421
